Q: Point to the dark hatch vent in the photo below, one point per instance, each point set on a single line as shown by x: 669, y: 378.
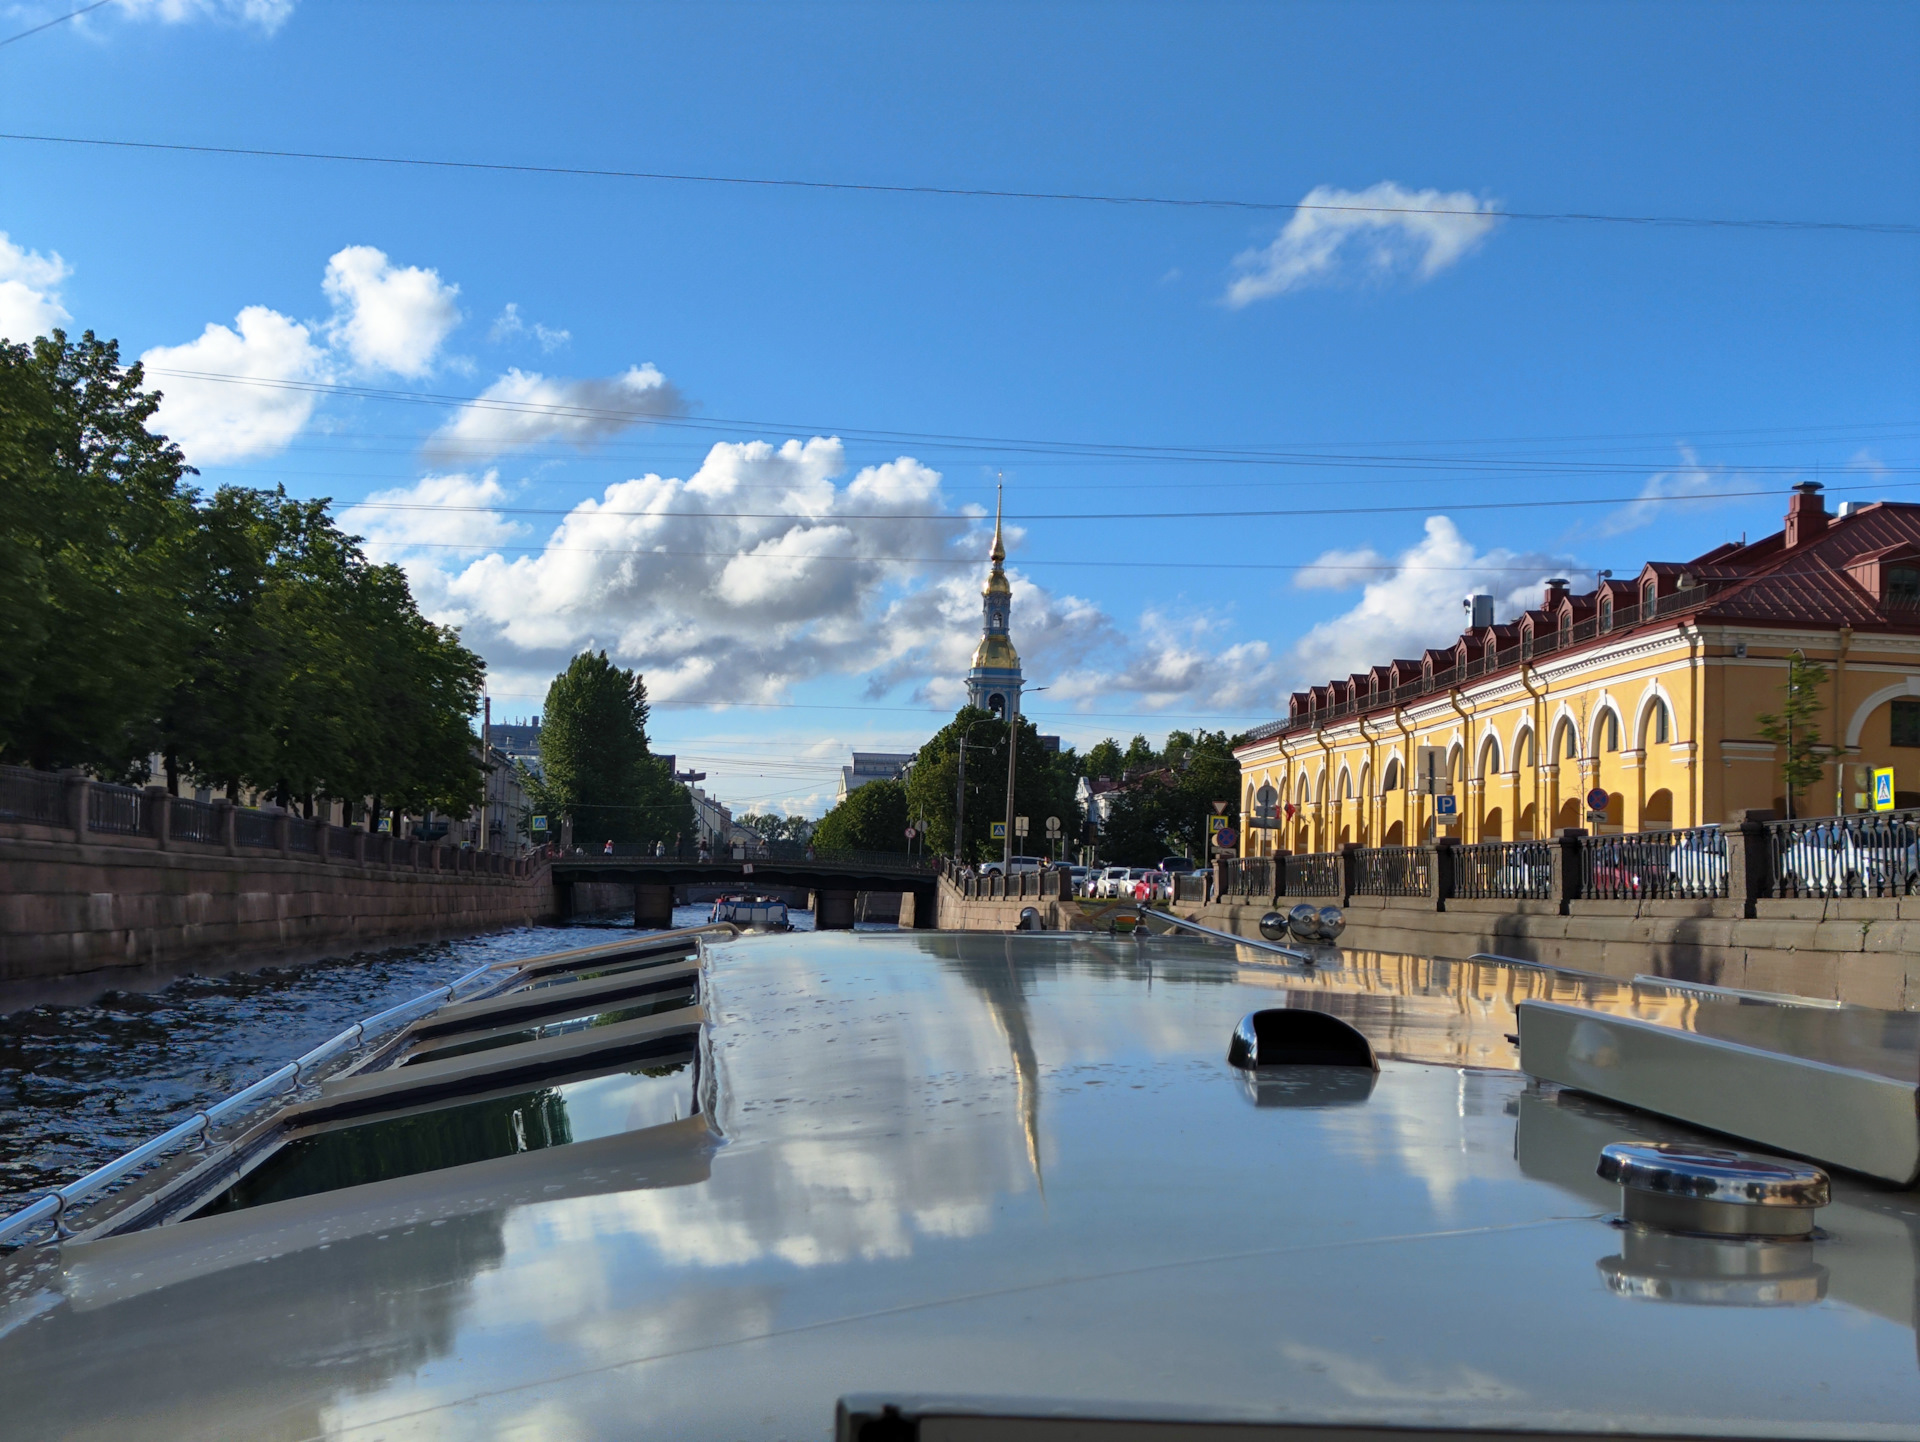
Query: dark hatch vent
x: 1298, y: 1037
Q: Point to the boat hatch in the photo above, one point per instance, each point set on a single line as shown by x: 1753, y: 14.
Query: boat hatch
x: 473, y: 1131
x: 672, y: 1000
x: 534, y: 1005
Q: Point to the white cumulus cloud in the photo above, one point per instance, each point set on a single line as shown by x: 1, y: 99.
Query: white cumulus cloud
x: 267, y: 15
x: 29, y: 291
x: 249, y: 412
x: 510, y: 325
x: 525, y: 408
x: 1415, y: 602
x: 1690, y: 480
x: 385, y: 317
x: 1381, y: 231
x: 766, y: 569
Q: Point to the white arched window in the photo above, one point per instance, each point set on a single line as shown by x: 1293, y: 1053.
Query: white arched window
x: 1659, y: 724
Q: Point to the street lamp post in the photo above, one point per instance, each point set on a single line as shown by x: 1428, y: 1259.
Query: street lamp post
x: 1013, y: 750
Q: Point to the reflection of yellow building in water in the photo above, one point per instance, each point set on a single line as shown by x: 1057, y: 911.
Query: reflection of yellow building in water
x: 1648, y: 688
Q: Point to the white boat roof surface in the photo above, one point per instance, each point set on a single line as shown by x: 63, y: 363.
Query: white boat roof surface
x: 976, y: 1166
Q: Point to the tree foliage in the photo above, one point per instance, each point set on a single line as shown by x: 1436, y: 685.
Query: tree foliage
x: 1164, y: 811
x: 776, y: 828
x: 873, y: 818
x: 1795, y: 728
x: 1043, y: 785
x: 594, y: 762
x: 243, y: 637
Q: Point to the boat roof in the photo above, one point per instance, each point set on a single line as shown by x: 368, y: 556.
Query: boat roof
x: 1008, y: 1173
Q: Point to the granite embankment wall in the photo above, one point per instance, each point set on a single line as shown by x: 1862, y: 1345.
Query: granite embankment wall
x: 1862, y: 951
x: 74, y: 908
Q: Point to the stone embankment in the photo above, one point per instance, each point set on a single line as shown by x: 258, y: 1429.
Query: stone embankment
x: 80, y: 902
x: 1862, y: 951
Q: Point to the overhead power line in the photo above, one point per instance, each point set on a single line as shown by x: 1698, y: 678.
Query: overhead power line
x: 996, y: 445
x: 968, y: 192
x: 57, y: 20
x: 1239, y: 515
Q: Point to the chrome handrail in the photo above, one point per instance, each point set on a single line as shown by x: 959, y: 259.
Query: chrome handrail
x: 1237, y: 940
x: 53, y: 1206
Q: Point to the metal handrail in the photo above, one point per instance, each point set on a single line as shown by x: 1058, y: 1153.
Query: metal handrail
x: 1237, y: 940
x: 1737, y: 993
x: 53, y: 1206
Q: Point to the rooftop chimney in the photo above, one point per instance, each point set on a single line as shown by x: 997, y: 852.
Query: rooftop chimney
x: 1556, y: 592
x: 1806, y: 515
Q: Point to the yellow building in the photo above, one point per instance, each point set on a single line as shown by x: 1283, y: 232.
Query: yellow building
x: 1648, y: 689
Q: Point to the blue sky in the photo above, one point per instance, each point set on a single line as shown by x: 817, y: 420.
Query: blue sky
x: 1432, y: 352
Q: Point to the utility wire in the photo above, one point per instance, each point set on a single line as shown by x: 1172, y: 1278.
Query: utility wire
x: 966, y: 192
x: 57, y: 20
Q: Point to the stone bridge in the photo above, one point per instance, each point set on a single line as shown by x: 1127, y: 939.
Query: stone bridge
x: 834, y: 879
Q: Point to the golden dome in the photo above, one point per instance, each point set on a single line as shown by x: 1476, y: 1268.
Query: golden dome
x: 995, y: 653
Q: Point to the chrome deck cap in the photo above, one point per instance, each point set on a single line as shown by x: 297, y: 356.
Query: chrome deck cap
x: 1713, y: 1191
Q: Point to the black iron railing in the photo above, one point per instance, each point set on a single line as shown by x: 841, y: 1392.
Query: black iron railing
x: 1317, y: 873
x: 1654, y: 865
x: 33, y: 796
x: 120, y: 810
x: 1870, y: 855
x: 255, y: 828
x: 1515, y: 870
x: 1250, y: 876
x: 194, y: 821
x: 1392, y: 871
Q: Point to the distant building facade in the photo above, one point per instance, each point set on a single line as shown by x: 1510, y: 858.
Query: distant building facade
x: 1646, y: 690
x: 872, y: 766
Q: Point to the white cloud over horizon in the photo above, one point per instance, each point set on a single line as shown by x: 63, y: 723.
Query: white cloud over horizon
x: 254, y: 412
x: 1412, y: 601
x: 1376, y: 233
x: 387, y: 318
x: 1692, y: 480
x: 511, y: 325
x: 30, y: 291
x: 525, y: 408
x: 767, y: 569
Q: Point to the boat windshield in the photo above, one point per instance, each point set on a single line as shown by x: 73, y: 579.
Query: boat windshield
x: 665, y: 1001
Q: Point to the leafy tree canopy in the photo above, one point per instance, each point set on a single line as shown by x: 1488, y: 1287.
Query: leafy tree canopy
x: 873, y: 818
x: 1043, y: 785
x: 1164, y: 813
x: 594, y: 760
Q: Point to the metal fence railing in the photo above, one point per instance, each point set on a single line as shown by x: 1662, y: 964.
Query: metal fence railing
x: 1514, y: 870
x: 1870, y: 855
x: 254, y: 828
x: 194, y: 821
x: 1250, y: 876
x: 300, y: 835
x: 1392, y: 871
x: 1317, y: 873
x: 1654, y: 865
x: 34, y: 796
x: 118, y: 809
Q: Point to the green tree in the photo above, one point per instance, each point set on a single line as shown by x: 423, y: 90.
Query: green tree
x: 1043, y: 785
x: 873, y: 818
x: 1795, y: 727
x: 1104, y: 759
x: 1165, y: 812
x: 595, y: 762
x: 1139, y: 755
x: 96, y: 528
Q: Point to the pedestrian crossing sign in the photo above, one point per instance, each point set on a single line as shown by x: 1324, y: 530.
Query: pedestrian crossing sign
x: 1216, y: 823
x: 1883, y: 788
x: 998, y: 831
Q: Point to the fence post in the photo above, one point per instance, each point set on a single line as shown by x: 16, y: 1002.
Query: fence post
x: 160, y: 802
x: 1349, y: 872
x: 1749, y: 859
x: 283, y: 833
x: 1568, y: 879
x: 77, y: 788
x: 1440, y: 868
x: 360, y: 845
x: 228, y: 816
x: 1280, y: 874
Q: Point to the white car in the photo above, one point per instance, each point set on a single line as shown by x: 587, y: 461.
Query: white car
x: 1020, y: 865
x: 1114, y: 882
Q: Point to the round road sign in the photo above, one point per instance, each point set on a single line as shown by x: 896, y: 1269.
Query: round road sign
x: 1597, y: 799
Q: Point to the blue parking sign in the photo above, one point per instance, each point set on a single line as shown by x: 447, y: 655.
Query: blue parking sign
x: 1883, y: 788
x: 1446, y: 805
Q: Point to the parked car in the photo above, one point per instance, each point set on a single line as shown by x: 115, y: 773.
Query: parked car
x: 1110, y: 882
x: 1698, y: 863
x: 1834, y: 859
x: 1020, y: 865
x: 1153, y: 885
x: 1079, y: 878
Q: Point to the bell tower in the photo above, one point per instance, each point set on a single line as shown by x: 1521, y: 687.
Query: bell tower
x: 994, y: 682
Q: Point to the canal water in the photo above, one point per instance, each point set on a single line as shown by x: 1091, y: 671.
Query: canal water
x: 82, y: 1083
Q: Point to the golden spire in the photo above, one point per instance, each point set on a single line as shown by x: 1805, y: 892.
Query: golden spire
x: 997, y: 577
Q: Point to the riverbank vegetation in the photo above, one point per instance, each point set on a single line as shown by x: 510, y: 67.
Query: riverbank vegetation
x: 240, y: 636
